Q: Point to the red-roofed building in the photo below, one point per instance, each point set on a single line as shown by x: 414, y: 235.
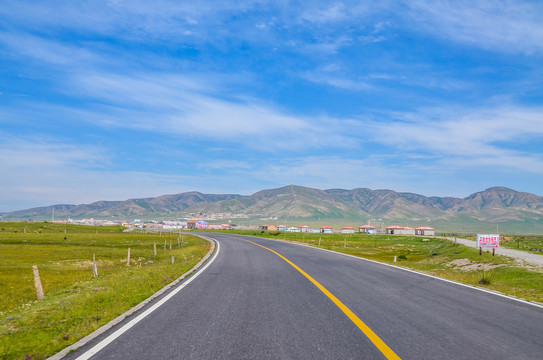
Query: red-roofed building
x: 347, y: 230
x: 326, y: 229
x: 304, y: 228
x: 425, y: 231
x: 367, y: 229
x: 400, y: 230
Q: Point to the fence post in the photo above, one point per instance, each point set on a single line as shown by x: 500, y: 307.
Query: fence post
x: 37, y: 283
x: 128, y: 258
x: 94, y: 268
x: 154, y: 248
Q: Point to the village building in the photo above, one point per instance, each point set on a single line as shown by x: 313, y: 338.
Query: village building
x: 294, y: 229
x: 367, y: 229
x: 196, y: 224
x: 226, y: 226
x: 425, y: 231
x: 400, y: 230
x: 304, y: 228
x: 326, y: 229
x: 269, y: 227
x: 347, y: 230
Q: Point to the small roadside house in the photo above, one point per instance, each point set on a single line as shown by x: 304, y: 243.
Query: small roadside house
x: 269, y: 227
x: 400, y: 230
x: 304, y: 228
x: 367, y: 229
x: 197, y: 224
x: 425, y: 231
x: 347, y: 230
x: 326, y: 229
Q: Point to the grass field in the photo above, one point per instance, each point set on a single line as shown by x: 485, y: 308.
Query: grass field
x: 437, y: 257
x: 76, y: 303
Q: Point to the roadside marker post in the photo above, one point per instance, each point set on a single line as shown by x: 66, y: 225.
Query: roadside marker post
x: 37, y: 283
x: 94, y: 268
x: 128, y: 258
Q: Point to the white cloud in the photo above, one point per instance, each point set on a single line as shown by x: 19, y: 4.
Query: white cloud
x: 179, y: 105
x: 49, y: 51
x: 334, y: 13
x: 507, y: 26
x: 40, y: 172
x: 336, y: 81
x: 468, y: 138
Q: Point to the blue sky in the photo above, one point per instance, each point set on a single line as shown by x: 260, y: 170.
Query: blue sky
x: 109, y: 100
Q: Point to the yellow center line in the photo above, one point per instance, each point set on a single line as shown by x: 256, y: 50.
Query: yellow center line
x: 376, y: 340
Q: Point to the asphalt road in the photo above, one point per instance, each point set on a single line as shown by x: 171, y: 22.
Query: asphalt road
x: 251, y: 304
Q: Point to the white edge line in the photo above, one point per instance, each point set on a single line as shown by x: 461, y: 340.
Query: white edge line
x: 409, y: 270
x: 105, y: 342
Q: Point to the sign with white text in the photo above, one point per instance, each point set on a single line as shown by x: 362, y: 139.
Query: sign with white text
x: 488, y: 240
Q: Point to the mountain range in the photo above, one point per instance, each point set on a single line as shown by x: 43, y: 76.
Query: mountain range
x: 493, y: 207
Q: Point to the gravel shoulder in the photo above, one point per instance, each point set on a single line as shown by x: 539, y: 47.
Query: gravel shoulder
x: 531, y: 259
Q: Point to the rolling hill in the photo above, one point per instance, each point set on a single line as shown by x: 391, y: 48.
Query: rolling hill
x: 497, y: 205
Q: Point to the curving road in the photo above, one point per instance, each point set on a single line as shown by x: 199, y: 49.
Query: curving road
x: 252, y: 304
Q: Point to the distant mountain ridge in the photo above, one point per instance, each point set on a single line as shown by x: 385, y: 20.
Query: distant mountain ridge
x: 493, y: 205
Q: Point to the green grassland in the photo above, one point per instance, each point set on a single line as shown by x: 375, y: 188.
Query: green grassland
x: 436, y: 256
x: 76, y: 303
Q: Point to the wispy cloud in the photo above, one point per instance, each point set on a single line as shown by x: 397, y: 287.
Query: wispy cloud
x: 332, y: 13
x: 177, y: 105
x: 336, y: 81
x: 39, y: 172
x: 468, y: 137
x: 41, y: 49
x: 506, y: 26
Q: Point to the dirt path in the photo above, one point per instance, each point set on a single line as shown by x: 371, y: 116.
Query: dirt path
x: 532, y: 259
